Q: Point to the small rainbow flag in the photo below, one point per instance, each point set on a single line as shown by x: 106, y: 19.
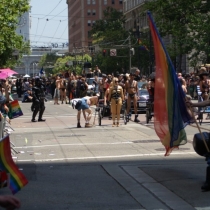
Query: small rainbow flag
x: 15, y: 110
x: 170, y: 111
x: 17, y: 179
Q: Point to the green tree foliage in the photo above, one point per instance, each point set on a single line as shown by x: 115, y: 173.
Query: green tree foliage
x: 10, y: 42
x: 108, y: 33
x: 186, y: 23
x: 62, y: 64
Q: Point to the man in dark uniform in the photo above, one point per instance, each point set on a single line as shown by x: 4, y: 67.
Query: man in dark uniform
x: 38, y: 93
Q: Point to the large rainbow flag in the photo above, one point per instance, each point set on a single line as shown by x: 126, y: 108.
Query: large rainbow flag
x: 17, y: 180
x: 170, y: 111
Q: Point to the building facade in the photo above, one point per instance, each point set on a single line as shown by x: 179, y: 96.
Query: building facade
x: 82, y: 15
x: 139, y: 23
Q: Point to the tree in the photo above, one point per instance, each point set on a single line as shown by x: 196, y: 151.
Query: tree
x: 10, y: 42
x: 109, y: 33
x: 63, y: 64
x: 185, y: 22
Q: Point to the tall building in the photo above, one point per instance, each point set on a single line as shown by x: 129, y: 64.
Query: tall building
x: 82, y: 15
x: 24, y: 25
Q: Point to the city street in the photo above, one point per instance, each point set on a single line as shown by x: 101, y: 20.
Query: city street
x: 103, y: 168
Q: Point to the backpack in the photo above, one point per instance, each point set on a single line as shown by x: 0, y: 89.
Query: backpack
x: 78, y: 104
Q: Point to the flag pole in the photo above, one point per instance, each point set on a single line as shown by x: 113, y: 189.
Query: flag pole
x: 199, y: 129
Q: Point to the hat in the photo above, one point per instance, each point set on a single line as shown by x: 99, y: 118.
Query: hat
x: 203, y: 71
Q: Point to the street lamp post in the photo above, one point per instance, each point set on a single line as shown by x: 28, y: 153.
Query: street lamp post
x: 34, y: 65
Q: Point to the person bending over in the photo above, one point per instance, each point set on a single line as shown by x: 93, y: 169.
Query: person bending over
x: 83, y: 105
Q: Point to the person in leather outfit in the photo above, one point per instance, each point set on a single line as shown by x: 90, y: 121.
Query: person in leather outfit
x: 117, y: 97
x: 38, y: 105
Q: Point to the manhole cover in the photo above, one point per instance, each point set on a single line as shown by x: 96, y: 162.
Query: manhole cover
x: 163, y: 149
x: 146, y: 141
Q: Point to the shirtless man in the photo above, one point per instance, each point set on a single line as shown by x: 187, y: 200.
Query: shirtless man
x: 131, y: 93
x: 57, y: 90
x: 63, y: 90
x: 84, y: 105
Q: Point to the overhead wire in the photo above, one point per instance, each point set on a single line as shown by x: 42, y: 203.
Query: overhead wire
x: 56, y: 31
x: 52, y: 10
x: 43, y: 30
x: 36, y: 29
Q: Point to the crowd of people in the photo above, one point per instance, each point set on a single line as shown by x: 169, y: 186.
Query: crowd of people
x: 63, y: 88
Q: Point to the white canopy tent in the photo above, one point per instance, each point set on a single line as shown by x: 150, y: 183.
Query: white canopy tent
x: 26, y: 76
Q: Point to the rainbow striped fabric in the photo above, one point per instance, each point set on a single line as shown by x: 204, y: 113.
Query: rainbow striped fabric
x: 15, y: 110
x: 17, y: 179
x: 170, y: 111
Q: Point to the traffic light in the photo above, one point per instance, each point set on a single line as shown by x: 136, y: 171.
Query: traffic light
x: 104, y: 52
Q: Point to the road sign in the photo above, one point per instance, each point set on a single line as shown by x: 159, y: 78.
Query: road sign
x: 113, y: 52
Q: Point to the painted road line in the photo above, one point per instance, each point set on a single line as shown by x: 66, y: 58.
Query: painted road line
x: 108, y: 157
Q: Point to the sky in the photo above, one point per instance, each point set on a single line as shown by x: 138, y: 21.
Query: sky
x: 49, y: 22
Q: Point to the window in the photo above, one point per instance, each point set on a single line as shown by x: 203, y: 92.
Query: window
x: 93, y: 1
x: 88, y: 1
x: 89, y: 12
x: 113, y: 1
x: 105, y: 2
x: 89, y: 34
x: 120, y: 1
x: 94, y: 12
x: 89, y: 22
x: 94, y: 22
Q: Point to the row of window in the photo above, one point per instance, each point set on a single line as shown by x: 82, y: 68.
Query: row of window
x: 105, y: 1
x: 130, y: 4
x: 89, y: 22
x: 93, y: 12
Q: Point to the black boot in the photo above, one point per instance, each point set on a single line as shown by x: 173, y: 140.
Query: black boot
x: 78, y: 125
x: 34, y: 115
x: 41, y: 120
x: 40, y: 114
x: 136, y: 119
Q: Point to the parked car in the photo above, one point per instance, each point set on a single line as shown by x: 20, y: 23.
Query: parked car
x: 142, y: 85
x: 91, y: 88
x: 141, y: 103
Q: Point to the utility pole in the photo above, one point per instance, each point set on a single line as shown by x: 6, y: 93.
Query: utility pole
x: 130, y: 52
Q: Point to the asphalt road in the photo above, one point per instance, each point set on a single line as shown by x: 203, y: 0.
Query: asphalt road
x: 103, y: 168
